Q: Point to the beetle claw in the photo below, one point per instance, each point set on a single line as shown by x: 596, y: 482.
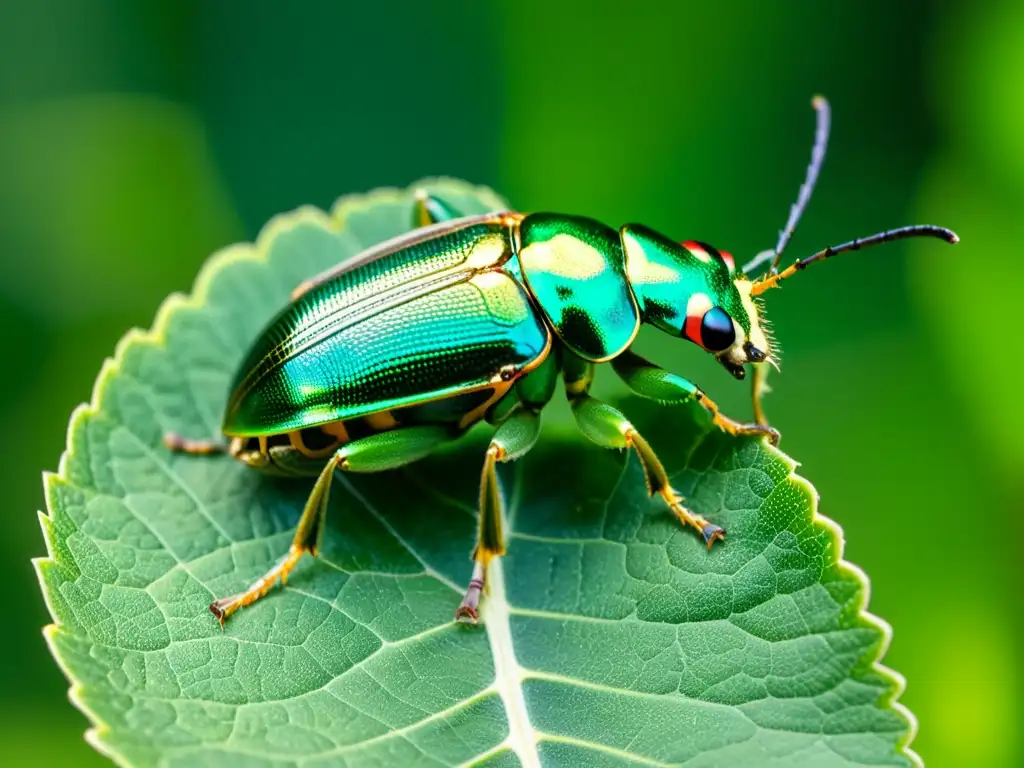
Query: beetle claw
x: 468, y: 610
x: 712, y: 533
x: 466, y: 614
x: 771, y: 433
x: 217, y: 609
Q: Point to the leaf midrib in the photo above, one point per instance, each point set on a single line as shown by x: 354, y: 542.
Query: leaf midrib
x: 508, y: 674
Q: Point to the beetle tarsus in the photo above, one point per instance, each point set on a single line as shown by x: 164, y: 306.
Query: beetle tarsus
x: 217, y: 610
x: 226, y: 606
x: 736, y: 428
x: 467, y: 614
x: 708, y: 531
x: 468, y: 610
x: 712, y: 533
x: 773, y: 435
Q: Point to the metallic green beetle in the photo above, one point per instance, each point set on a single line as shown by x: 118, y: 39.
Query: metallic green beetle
x: 382, y: 360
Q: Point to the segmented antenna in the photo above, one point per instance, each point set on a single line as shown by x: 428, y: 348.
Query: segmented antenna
x: 821, y: 131
x: 918, y: 230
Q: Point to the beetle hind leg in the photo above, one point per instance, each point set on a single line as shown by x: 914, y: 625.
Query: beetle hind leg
x: 375, y: 453
x: 306, y: 539
x: 517, y: 435
x: 181, y: 444
x: 247, y: 451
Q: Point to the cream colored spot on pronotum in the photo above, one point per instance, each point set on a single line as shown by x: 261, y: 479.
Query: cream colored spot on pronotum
x: 640, y: 269
x: 564, y: 256
x: 757, y: 335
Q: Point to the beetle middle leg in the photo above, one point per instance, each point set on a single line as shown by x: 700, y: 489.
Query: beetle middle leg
x: 516, y: 435
x: 375, y: 453
x: 649, y: 381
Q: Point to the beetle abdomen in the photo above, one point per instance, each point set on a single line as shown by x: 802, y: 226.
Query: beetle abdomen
x: 405, y: 329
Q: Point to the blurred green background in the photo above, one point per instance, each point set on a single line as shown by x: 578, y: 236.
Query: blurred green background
x: 137, y: 138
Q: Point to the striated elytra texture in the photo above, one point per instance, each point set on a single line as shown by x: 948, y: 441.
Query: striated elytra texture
x: 610, y: 636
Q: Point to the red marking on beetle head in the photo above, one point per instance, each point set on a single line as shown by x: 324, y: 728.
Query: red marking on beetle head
x: 707, y: 254
x: 695, y: 247
x: 697, y: 305
x: 691, y: 329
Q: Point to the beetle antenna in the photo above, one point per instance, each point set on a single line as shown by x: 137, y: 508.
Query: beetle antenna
x: 821, y: 131
x: 918, y: 230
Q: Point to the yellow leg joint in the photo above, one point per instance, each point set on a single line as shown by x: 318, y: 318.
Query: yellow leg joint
x: 734, y: 427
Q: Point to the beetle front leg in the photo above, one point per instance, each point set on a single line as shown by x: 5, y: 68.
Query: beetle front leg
x: 649, y: 381
x: 758, y: 389
x: 376, y: 453
x: 516, y: 435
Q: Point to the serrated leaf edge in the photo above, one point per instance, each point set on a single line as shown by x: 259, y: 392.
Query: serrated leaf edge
x: 846, y: 568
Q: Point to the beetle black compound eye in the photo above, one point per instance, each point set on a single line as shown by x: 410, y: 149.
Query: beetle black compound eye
x: 716, y: 330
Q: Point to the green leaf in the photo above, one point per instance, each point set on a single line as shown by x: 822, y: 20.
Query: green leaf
x: 610, y: 635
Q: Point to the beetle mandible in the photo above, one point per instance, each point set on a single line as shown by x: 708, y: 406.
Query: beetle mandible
x: 380, y: 361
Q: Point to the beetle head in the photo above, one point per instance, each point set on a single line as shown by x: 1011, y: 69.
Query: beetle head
x: 695, y: 291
